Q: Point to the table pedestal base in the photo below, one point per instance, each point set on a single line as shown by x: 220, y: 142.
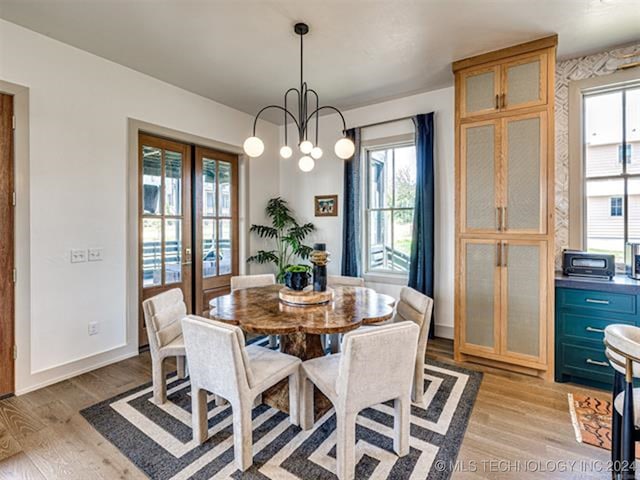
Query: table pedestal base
x: 304, y: 346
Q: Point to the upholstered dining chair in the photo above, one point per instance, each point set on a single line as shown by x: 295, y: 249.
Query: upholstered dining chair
x: 238, y: 374
x: 242, y: 282
x: 333, y: 340
x: 622, y: 348
x: 375, y: 366
x: 162, y: 316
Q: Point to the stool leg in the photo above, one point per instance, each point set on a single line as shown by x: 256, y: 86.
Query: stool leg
x: 616, y: 427
x: 628, y: 441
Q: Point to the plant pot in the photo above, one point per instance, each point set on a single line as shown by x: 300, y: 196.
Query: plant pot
x: 296, y: 280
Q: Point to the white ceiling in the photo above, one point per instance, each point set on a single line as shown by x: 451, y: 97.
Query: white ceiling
x: 244, y: 53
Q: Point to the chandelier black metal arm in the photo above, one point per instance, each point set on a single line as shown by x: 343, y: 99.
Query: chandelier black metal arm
x: 279, y: 107
x: 317, y: 110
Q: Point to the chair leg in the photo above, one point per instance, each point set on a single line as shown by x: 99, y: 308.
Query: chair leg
x: 306, y: 400
x: 181, y: 367
x: 159, y: 382
x: 616, y: 427
x: 242, y: 436
x: 294, y: 398
x: 628, y: 441
x: 199, y: 415
x: 334, y: 341
x: 219, y: 401
x: 417, y: 392
x: 273, y: 341
x: 346, y: 445
x: 401, y: 425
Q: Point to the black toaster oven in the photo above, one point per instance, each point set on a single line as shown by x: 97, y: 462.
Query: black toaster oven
x: 588, y: 264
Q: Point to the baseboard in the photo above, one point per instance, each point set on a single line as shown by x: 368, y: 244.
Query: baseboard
x: 443, y: 331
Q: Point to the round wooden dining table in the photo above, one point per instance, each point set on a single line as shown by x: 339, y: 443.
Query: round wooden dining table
x: 260, y: 311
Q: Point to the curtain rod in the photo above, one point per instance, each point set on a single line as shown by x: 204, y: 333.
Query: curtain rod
x: 409, y: 117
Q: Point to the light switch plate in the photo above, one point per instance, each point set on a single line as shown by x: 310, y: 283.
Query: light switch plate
x: 96, y: 254
x: 78, y: 255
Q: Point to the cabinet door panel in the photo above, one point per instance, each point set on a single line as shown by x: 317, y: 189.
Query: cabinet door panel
x: 480, y: 292
x: 524, y: 147
x: 479, y: 177
x: 524, y: 82
x: 480, y: 90
x: 524, y: 299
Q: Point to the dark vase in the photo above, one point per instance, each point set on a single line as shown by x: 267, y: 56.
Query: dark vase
x: 296, y: 280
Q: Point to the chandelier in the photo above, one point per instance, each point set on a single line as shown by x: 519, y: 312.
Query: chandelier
x: 310, y: 151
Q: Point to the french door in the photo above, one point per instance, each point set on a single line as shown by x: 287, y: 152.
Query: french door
x: 188, y: 222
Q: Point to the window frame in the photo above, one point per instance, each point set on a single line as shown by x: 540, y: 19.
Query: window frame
x: 399, y: 141
x: 617, y: 207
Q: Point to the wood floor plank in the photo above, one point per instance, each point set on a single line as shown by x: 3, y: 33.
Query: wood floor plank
x: 9, y: 446
x: 17, y: 419
x: 19, y: 467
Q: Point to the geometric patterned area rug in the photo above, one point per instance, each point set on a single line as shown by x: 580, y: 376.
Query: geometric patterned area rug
x: 158, y: 438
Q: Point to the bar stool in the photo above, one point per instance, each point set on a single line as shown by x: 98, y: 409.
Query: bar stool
x: 622, y: 344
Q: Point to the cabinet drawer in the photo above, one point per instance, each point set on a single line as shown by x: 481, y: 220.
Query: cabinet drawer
x: 585, y: 327
x: 598, y: 301
x: 586, y: 362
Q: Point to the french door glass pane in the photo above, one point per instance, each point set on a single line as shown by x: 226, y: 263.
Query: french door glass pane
x: 605, y: 218
x: 632, y: 108
x: 172, y: 250
x: 224, y: 189
x: 208, y: 187
x: 603, y: 134
x: 173, y: 183
x: 151, y: 252
x: 209, y: 248
x: 405, y: 176
x: 151, y: 180
x: 380, y: 243
x: 402, y: 234
x: 224, y: 242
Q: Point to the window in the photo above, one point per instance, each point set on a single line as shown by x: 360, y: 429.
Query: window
x: 616, y: 206
x: 612, y: 186
x: 390, y: 200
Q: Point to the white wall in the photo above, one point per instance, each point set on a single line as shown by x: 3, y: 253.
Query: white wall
x: 76, y: 188
x: 327, y: 178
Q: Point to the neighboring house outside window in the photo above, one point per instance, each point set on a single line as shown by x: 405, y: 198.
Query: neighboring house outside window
x: 612, y: 186
x: 389, y: 203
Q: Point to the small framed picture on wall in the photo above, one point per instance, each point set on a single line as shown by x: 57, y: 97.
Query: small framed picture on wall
x: 326, y: 205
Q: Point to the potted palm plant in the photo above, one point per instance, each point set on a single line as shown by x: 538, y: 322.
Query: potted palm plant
x: 288, y: 236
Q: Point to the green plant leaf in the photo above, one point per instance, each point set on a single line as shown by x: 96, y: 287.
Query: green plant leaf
x: 263, y: 256
x: 263, y: 231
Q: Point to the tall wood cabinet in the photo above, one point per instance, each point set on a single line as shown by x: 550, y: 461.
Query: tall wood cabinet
x: 505, y: 207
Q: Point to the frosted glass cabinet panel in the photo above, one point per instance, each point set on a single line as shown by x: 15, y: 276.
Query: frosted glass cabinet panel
x: 524, y: 147
x: 524, y: 82
x: 480, y: 92
x: 479, y: 176
x: 480, y: 287
x: 524, y: 288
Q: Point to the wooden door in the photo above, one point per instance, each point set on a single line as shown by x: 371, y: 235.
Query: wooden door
x: 216, y: 224
x: 524, y: 173
x: 480, y: 198
x: 7, y: 308
x: 479, y: 91
x: 165, y: 249
x: 479, y: 296
x: 524, y: 82
x: 524, y: 302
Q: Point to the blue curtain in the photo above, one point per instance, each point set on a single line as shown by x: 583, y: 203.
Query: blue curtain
x: 421, y: 269
x: 351, y: 226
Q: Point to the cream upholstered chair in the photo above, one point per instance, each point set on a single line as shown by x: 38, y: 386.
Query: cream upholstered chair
x: 162, y: 316
x: 339, y: 281
x: 416, y: 307
x: 250, y: 281
x: 374, y: 366
x: 238, y: 374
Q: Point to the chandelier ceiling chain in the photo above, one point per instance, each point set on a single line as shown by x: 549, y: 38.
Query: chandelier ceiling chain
x: 344, y: 147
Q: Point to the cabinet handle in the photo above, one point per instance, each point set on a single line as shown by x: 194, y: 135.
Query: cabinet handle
x: 599, y: 302
x: 499, y: 218
x: 497, y: 101
x: 596, y: 362
x: 503, y: 103
x: 498, y: 254
x: 596, y: 330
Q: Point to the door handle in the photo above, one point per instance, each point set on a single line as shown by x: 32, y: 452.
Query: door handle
x: 498, y: 254
x: 595, y: 330
x: 503, y: 103
x: 497, y: 101
x: 596, y: 362
x: 599, y: 302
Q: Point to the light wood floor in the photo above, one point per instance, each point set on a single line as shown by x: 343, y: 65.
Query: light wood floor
x: 518, y: 423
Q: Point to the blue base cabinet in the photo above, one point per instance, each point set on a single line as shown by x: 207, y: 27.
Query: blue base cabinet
x: 581, y: 317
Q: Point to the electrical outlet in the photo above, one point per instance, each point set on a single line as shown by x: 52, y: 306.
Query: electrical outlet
x: 94, y: 328
x: 78, y: 255
x: 96, y: 254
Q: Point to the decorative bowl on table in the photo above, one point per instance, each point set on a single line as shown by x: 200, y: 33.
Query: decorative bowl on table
x: 297, y: 280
